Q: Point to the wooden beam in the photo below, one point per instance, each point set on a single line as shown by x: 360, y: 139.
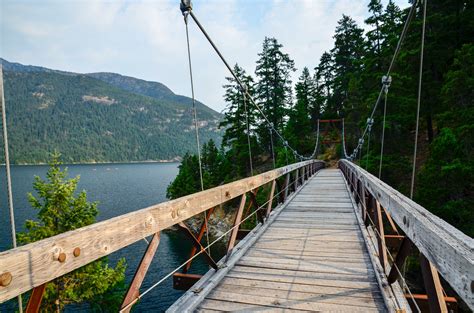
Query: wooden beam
x: 183, y: 281
x: 237, y: 220
x: 400, y: 259
x: 433, y: 286
x: 422, y: 302
x: 199, y: 238
x: 380, y: 235
x: 134, y: 288
x: 34, y: 264
x: 270, y: 199
x: 447, y: 248
x: 36, y: 297
x: 197, y: 244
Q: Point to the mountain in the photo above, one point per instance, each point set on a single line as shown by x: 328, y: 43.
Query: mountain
x: 98, y: 117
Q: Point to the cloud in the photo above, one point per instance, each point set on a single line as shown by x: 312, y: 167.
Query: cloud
x: 146, y: 39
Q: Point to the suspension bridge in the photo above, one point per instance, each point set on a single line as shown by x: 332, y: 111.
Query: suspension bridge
x: 327, y: 239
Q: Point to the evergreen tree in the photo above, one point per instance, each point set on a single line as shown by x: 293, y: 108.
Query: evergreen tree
x: 240, y: 111
x: 347, y: 53
x: 323, y: 80
x: 59, y: 210
x: 299, y: 131
x: 273, y: 90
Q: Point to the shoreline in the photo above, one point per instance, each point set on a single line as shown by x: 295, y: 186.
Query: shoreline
x: 98, y: 163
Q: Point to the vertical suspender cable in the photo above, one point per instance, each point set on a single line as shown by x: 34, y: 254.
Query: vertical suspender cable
x: 271, y: 146
x: 8, y: 173
x: 420, y: 77
x: 386, y: 80
x: 248, y: 130
x: 196, y: 125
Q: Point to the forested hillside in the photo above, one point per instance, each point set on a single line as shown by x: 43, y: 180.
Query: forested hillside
x: 345, y: 83
x: 98, y: 119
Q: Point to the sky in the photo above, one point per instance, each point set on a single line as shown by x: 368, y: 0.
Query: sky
x: 146, y: 39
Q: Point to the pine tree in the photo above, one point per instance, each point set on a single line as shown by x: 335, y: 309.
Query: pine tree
x: 59, y: 211
x: 273, y: 90
x: 240, y: 111
x: 323, y: 80
x: 299, y: 131
x: 348, y: 52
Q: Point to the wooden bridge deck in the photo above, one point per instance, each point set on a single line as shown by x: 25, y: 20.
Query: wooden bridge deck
x: 312, y: 257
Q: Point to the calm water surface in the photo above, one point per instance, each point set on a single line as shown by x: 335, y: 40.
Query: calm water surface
x: 119, y: 189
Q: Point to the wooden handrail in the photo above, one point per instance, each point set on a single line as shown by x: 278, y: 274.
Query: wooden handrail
x: 447, y: 248
x: 36, y: 263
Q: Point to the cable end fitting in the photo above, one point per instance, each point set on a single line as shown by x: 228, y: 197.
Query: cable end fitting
x: 185, y: 6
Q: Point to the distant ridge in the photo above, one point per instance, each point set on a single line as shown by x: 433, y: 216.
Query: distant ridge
x: 98, y: 117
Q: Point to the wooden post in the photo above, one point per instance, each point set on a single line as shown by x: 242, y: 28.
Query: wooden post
x: 287, y: 183
x: 433, y: 286
x: 134, y: 288
x: 297, y: 177
x: 270, y: 200
x: 402, y: 255
x: 381, y: 235
x: 34, y: 303
x: 238, y: 218
x: 199, y: 238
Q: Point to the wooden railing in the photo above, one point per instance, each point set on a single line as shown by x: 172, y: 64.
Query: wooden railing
x: 442, y: 247
x: 33, y: 265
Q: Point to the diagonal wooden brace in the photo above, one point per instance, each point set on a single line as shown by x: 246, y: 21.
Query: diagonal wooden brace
x: 203, y: 229
x: 238, y: 218
x: 433, y: 287
x: 34, y: 303
x: 134, y: 288
x: 402, y: 255
x: 197, y: 244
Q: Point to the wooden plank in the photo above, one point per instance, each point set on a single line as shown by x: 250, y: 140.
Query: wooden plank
x: 321, y: 305
x: 303, y: 277
x: 238, y: 218
x: 288, y: 292
x: 134, y: 288
x: 323, y: 268
x: 227, y: 306
x: 447, y: 248
x: 34, y: 264
x: 191, y: 299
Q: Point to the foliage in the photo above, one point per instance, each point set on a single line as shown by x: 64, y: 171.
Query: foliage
x: 60, y: 210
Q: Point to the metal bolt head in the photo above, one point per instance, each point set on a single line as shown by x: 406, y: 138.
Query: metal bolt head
x: 62, y: 257
x: 5, y: 279
x: 77, y: 252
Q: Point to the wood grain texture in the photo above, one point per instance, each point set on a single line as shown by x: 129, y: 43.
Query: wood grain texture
x: 34, y: 264
x: 447, y: 248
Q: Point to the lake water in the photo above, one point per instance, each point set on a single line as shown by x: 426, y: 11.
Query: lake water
x: 119, y: 189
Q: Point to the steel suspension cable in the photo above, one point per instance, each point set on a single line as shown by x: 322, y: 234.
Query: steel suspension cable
x: 248, y: 132
x: 272, y: 148
x: 392, y: 62
x: 386, y: 81
x: 189, y: 11
x: 196, y: 124
x: 420, y: 77
x: 8, y: 172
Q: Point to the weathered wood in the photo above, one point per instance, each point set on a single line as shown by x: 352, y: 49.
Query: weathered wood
x: 380, y: 235
x: 433, y: 287
x: 238, y: 218
x: 423, y: 303
x: 184, y: 281
x: 36, y: 297
x: 186, y: 231
x: 199, y: 238
x: 270, y: 199
x: 134, y: 288
x: 34, y: 264
x: 448, y: 249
